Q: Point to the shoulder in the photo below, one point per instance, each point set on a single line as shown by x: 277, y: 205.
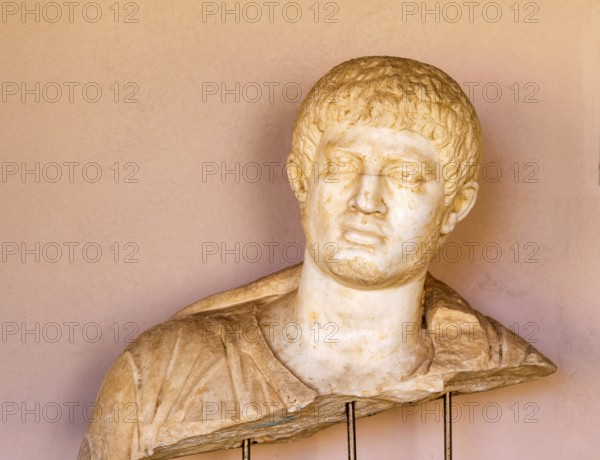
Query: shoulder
x: 259, y: 292
x: 156, y: 351
x: 203, y: 332
x: 473, y: 351
x: 162, y: 378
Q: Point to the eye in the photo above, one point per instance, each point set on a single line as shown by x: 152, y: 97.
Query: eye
x: 342, y: 163
x: 347, y: 165
x: 407, y: 174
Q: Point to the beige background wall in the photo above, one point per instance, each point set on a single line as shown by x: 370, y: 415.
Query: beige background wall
x: 534, y: 232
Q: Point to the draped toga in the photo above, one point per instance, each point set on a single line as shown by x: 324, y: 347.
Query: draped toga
x: 207, y: 379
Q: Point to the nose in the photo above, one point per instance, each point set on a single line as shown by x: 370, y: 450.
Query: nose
x: 368, y: 198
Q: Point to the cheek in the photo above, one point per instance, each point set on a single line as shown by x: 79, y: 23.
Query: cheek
x: 319, y: 213
x: 428, y: 210
x: 417, y: 213
x: 330, y: 200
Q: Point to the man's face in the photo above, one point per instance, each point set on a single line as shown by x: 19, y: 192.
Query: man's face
x: 373, y: 196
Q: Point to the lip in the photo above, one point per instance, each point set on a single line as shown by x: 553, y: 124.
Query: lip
x: 362, y: 237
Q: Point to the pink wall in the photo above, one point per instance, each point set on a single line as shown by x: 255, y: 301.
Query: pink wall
x: 545, y: 204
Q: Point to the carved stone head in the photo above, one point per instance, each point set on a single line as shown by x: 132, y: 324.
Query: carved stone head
x: 384, y: 163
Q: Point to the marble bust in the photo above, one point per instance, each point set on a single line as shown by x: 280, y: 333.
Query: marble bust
x: 384, y: 157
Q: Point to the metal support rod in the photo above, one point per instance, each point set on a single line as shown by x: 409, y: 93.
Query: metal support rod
x: 246, y: 449
x: 447, y: 427
x: 351, y: 430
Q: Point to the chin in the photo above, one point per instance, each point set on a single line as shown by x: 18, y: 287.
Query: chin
x: 359, y: 272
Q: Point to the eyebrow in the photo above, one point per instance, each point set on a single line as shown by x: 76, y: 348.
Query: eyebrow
x: 354, y: 154
x: 410, y: 154
x: 420, y: 160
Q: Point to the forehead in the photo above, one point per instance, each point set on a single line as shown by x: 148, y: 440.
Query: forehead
x: 375, y: 143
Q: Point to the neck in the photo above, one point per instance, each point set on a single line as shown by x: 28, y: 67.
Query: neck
x: 392, y: 312
x: 353, y: 341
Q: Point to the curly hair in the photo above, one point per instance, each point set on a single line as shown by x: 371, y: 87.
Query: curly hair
x: 391, y: 92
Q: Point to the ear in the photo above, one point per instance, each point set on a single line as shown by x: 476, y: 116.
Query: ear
x: 295, y: 176
x: 463, y: 203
